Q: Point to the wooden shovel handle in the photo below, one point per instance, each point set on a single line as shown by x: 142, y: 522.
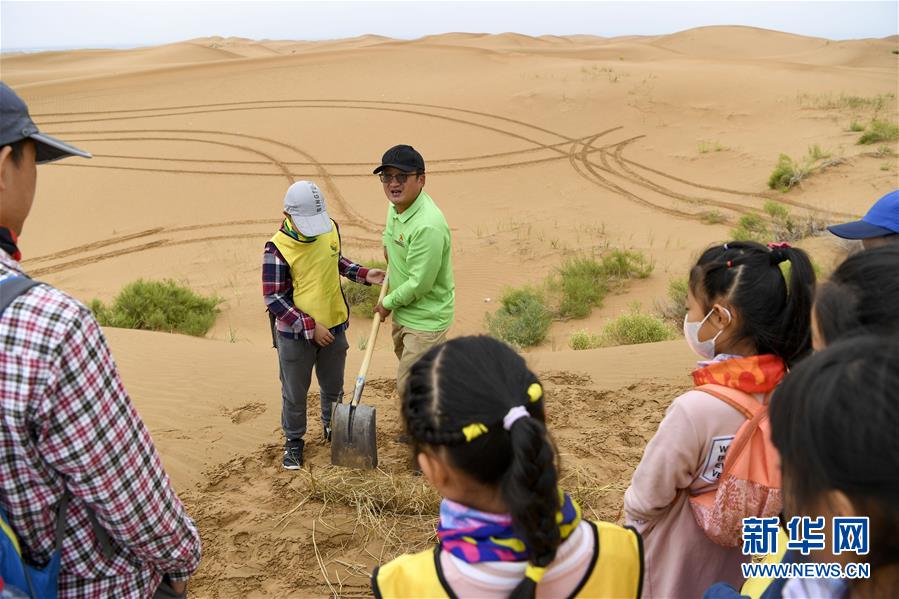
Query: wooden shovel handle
x: 370, y: 348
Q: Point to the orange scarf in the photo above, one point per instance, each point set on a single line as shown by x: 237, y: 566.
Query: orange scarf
x: 752, y: 374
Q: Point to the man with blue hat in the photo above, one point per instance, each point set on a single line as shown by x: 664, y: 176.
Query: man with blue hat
x: 85, y: 502
x: 878, y: 227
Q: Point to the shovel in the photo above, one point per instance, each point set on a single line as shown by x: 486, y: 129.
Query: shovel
x: 353, y: 440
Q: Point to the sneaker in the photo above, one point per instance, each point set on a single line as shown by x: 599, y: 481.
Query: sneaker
x: 293, y: 455
x: 327, y: 431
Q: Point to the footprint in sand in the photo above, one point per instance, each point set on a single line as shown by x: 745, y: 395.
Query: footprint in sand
x: 245, y: 412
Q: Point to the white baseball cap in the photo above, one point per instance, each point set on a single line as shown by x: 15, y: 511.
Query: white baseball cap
x: 305, y: 203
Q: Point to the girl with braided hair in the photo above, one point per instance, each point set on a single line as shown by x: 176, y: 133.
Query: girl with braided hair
x: 749, y: 324
x: 475, y: 415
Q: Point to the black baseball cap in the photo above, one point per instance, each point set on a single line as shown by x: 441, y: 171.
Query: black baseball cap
x: 405, y: 158
x: 16, y: 125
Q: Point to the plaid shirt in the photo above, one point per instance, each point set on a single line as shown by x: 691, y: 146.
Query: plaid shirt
x: 277, y: 290
x: 66, y: 423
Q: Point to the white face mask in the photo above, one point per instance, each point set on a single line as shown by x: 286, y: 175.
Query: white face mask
x: 704, y: 349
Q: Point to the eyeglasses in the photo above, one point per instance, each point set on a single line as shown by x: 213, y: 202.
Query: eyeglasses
x: 399, y: 177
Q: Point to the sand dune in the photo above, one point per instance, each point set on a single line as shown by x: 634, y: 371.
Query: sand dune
x: 537, y: 149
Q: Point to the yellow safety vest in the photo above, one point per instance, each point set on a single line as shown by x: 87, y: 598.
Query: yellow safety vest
x: 316, y: 279
x: 616, y: 571
x: 754, y: 587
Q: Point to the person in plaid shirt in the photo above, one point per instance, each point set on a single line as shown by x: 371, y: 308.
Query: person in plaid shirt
x: 67, y: 426
x: 301, y: 269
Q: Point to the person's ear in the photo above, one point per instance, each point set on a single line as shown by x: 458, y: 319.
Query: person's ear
x: 422, y: 179
x: 722, y: 316
x: 434, y: 469
x: 840, y: 505
x: 6, y: 163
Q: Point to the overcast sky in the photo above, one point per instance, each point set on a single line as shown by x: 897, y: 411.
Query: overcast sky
x: 46, y: 25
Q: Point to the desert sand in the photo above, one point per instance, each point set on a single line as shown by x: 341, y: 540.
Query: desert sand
x: 537, y: 148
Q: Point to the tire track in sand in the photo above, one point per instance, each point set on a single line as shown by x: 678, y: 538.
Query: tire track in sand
x: 164, y: 243
x: 350, y: 216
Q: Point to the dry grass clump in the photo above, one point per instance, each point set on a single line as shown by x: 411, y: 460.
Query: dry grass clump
x: 844, y: 101
x: 378, y: 493
x: 398, y: 509
x: 380, y: 498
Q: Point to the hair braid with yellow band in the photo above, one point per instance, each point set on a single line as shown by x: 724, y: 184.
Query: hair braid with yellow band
x: 457, y: 397
x: 476, y: 429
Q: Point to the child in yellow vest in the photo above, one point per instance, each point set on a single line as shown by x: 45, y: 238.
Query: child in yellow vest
x: 301, y: 270
x: 475, y: 415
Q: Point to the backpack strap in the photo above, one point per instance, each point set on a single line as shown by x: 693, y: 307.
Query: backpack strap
x: 744, y: 403
x: 61, y: 519
x: 741, y: 401
x: 13, y: 287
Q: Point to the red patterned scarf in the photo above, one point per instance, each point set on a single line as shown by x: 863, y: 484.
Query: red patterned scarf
x: 752, y: 374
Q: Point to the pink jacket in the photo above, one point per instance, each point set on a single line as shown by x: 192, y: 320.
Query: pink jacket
x: 684, y: 457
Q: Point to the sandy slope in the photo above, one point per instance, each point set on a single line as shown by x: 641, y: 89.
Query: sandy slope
x: 537, y: 148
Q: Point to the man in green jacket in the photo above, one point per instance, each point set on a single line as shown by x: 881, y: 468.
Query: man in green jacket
x: 418, y: 248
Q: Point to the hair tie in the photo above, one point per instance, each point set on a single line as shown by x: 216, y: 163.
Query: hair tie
x: 473, y: 431
x: 535, y: 573
x: 730, y: 263
x: 535, y: 392
x: 777, y: 252
x: 513, y: 415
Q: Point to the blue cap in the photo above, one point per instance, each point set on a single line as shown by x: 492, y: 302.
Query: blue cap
x: 882, y: 219
x: 16, y: 125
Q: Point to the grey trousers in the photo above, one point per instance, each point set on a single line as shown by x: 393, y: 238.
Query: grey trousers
x: 296, y: 359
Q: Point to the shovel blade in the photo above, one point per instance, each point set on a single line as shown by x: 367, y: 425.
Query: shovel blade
x: 354, y: 443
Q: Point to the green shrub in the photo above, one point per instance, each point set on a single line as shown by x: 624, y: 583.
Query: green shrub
x: 879, y: 131
x: 844, y: 102
x: 781, y: 225
x: 856, y: 127
x: 706, y: 146
x: 522, y: 319
x: 711, y: 217
x: 815, y: 153
x: 584, y: 340
x: 583, y: 284
x: 635, y: 327
x: 776, y: 210
x: 673, y: 308
x: 626, y: 264
x: 362, y: 299
x: 786, y: 173
x: 751, y: 227
x: 159, y: 306
x: 677, y: 292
